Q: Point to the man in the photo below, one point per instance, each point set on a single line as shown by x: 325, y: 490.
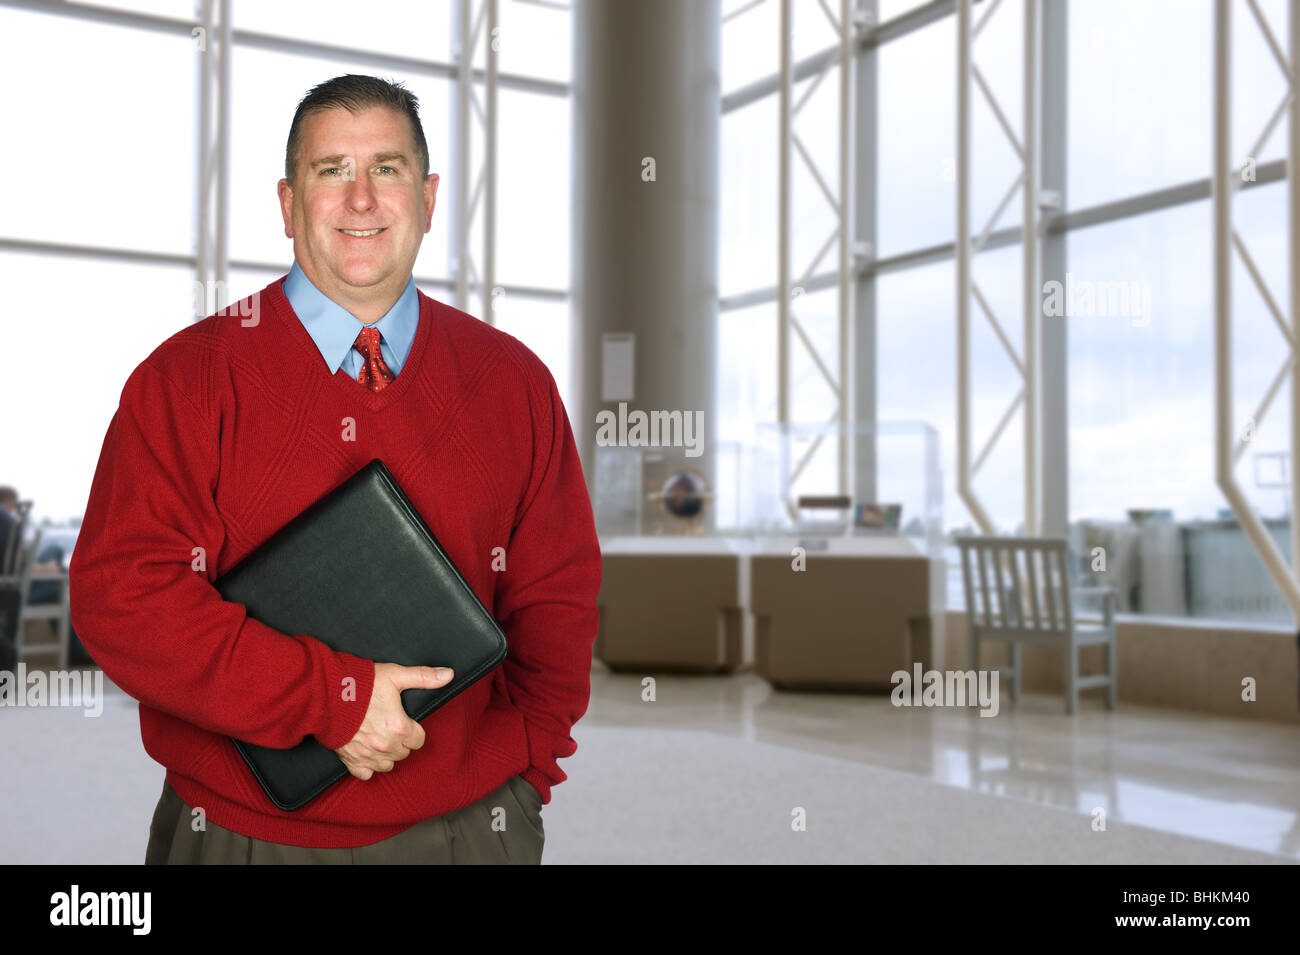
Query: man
x: 48, y: 561
x: 10, y: 596
x: 9, y: 521
x: 9, y: 529
x: 235, y: 424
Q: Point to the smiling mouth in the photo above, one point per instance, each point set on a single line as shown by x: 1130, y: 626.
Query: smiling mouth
x: 362, y: 233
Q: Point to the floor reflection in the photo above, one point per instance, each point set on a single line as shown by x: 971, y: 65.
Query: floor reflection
x: 1228, y: 781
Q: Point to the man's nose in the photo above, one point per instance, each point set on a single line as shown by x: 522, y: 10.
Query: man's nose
x: 361, y: 191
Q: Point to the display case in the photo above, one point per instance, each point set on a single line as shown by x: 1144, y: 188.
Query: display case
x: 660, y: 492
x: 847, y: 576
x: 674, y: 536
x: 842, y: 487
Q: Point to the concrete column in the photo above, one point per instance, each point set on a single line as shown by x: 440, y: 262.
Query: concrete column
x: 1055, y: 433
x: 646, y: 118
x: 865, y: 187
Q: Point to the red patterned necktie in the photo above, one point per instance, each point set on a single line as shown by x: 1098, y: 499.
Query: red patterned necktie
x: 374, y: 372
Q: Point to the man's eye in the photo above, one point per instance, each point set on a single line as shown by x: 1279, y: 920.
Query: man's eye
x: 389, y: 168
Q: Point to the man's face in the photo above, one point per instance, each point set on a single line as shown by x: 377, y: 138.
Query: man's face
x: 357, y: 173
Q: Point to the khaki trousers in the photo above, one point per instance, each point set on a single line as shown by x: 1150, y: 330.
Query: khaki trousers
x: 466, y: 836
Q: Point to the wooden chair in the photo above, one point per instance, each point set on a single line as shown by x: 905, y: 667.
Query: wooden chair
x: 1018, y: 589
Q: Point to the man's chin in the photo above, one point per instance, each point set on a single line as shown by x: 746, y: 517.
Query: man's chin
x: 368, y: 277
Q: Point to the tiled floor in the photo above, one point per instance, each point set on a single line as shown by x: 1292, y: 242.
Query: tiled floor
x: 1228, y: 781
x: 708, y: 771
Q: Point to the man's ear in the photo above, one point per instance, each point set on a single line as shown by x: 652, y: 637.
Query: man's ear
x: 430, y: 199
x: 285, y: 192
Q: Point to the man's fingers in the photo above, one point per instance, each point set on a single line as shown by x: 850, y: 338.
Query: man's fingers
x: 416, y: 739
x: 373, y: 747
x: 358, y: 770
x: 363, y: 767
x: 421, y: 678
x: 380, y: 748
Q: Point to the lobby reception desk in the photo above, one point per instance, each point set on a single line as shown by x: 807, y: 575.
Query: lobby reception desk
x: 860, y: 610
x: 672, y: 604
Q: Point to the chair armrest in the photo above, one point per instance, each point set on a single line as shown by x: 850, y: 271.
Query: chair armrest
x: 60, y: 575
x: 1108, y: 603
x: 1093, y: 591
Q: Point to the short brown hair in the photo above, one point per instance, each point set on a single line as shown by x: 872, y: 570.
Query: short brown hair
x: 356, y: 92
x: 8, y: 495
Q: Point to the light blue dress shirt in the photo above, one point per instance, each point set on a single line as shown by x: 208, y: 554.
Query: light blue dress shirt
x: 334, y: 329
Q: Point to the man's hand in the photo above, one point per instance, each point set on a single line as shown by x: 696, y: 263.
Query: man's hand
x: 387, y: 734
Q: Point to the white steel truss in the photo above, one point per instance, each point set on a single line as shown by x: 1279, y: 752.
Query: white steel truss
x: 212, y: 213
x: 847, y: 27
x: 1226, y: 178
x: 1027, y: 363
x: 475, y: 26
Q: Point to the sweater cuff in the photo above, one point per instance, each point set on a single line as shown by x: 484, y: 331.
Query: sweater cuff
x: 538, y: 782
x: 544, y: 749
x: 349, y: 681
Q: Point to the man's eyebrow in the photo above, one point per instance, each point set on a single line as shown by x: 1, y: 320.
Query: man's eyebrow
x: 328, y: 161
x: 378, y: 157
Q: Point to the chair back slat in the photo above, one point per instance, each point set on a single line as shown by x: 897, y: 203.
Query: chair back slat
x: 965, y: 554
x: 1067, y: 611
x: 1049, y: 584
x: 1016, y: 584
x: 980, y: 554
x: 1025, y: 588
x: 998, y: 554
x: 1032, y: 577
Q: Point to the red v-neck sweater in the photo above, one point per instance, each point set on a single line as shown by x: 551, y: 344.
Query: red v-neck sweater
x: 226, y: 432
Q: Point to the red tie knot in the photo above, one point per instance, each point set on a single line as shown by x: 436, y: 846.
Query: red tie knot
x: 368, y: 341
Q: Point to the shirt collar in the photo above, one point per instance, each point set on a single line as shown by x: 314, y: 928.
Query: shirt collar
x: 334, y: 329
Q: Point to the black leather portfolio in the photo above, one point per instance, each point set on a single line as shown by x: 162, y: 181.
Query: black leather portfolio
x: 360, y: 571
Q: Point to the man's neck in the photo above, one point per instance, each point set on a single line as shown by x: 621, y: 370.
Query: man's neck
x: 366, y: 310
